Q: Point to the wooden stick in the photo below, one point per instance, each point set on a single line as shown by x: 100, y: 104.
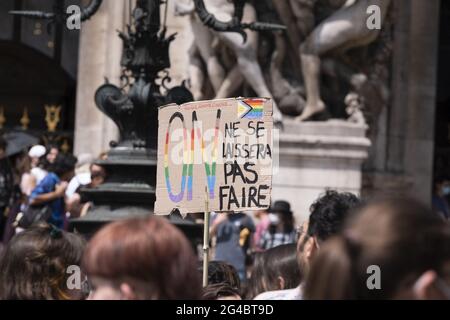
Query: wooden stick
x: 206, y: 240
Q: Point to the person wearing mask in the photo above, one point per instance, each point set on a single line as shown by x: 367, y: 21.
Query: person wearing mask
x: 82, y: 174
x: 141, y: 259
x: 77, y: 205
x: 51, y: 190
x: 326, y: 219
x: 440, y: 194
x: 281, y: 226
x: 391, y: 249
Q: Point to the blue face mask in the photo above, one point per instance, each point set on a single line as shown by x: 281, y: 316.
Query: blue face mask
x: 446, y: 190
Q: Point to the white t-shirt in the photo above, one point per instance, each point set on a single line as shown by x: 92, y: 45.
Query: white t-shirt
x: 81, y: 179
x: 289, y: 294
x: 39, y: 174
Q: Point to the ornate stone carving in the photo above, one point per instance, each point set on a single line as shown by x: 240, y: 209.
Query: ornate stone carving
x: 308, y: 76
x: 245, y: 65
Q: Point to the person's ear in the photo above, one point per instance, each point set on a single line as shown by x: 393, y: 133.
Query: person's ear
x: 425, y: 287
x: 281, y: 283
x: 127, y: 292
x: 310, y: 248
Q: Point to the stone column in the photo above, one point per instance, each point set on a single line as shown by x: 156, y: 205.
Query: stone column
x: 99, y: 57
x: 314, y: 156
x: 419, y: 151
x: 410, y: 134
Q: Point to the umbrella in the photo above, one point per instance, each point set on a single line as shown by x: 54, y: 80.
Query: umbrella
x: 19, y: 141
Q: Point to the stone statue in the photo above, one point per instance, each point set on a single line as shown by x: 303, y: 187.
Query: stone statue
x: 221, y: 65
x: 246, y: 68
x: 344, y: 29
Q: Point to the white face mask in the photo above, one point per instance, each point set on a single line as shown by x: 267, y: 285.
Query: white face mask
x: 274, y: 219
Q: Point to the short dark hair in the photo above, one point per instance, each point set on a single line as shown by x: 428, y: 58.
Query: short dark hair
x: 279, y: 261
x: 329, y: 212
x: 219, y: 290
x: 222, y: 272
x: 63, y: 163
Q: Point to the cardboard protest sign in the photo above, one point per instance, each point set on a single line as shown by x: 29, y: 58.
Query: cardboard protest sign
x: 222, y: 145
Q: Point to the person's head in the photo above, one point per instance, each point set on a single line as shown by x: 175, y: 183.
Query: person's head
x: 220, y: 291
x: 225, y: 273
x: 392, y: 249
x: 284, y: 272
x: 63, y: 166
x: 327, y: 216
x: 52, y: 153
x: 145, y: 258
x: 98, y: 175
x: 36, y: 153
x: 35, y: 263
x: 442, y: 186
x: 281, y: 217
x: 275, y: 269
x: 3, y: 145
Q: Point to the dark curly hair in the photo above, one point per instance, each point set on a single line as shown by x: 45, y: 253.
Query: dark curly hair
x: 222, y: 272
x: 329, y: 212
x: 219, y: 290
x: 63, y: 163
x: 34, y: 264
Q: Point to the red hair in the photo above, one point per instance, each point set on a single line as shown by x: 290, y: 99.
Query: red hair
x: 151, y: 251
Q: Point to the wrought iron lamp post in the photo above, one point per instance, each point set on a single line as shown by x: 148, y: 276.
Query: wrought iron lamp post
x: 129, y: 189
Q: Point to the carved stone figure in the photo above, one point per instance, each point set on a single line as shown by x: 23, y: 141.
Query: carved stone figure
x: 246, y: 67
x: 320, y: 32
x: 344, y: 29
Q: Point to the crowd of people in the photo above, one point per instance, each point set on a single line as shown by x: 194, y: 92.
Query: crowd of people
x: 391, y: 248
x: 42, y: 183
